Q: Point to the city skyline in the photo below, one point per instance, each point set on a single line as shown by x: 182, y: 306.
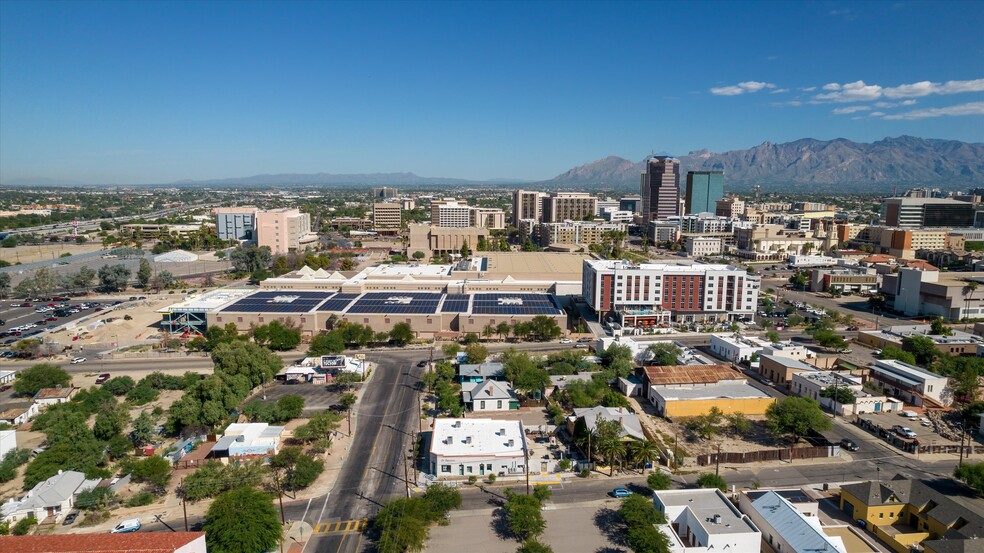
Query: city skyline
x: 148, y: 93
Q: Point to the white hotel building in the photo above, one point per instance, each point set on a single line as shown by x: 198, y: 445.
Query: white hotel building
x: 647, y: 294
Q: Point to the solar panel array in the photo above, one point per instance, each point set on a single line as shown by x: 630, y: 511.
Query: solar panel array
x: 279, y: 302
x: 514, y: 304
x: 396, y: 303
x: 338, y: 302
x: 455, y: 303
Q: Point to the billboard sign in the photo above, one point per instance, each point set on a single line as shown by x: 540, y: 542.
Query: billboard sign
x: 332, y: 361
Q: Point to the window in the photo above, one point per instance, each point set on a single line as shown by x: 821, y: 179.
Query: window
x: 468, y: 468
x: 446, y: 468
x: 499, y: 406
x: 481, y: 405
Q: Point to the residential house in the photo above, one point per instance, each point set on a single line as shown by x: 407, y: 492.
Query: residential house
x: 472, y: 372
x: 904, y: 512
x: 144, y: 542
x: 911, y: 384
x: 785, y: 528
x: 813, y: 384
x: 8, y: 441
x: 47, y: 397
x: 7, y: 377
x: 691, y: 390
x: 249, y: 440
x: 19, y: 414
x: 490, y: 395
x: 50, y: 498
x: 780, y: 370
x: 559, y: 382
x: 467, y: 447
x: 735, y: 347
x: 705, y: 521
x: 631, y: 426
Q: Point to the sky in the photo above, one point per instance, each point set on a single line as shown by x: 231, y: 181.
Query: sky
x: 156, y: 92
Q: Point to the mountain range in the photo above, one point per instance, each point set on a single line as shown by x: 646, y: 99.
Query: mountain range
x: 815, y: 165
x: 822, y: 165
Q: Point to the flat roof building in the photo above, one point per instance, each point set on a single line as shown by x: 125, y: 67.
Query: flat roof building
x: 705, y: 521
x: 910, y: 383
x: 477, y: 447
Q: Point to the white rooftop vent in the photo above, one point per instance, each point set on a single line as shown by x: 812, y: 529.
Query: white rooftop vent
x: 511, y: 301
x: 511, y: 442
x: 284, y: 299
x: 467, y: 439
x: 457, y: 424
x: 502, y: 431
x: 398, y: 300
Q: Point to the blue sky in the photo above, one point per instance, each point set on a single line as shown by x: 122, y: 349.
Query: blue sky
x: 141, y: 92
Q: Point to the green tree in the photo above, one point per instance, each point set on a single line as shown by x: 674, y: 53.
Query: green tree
x: 329, y: 343
x: 144, y: 429
x: 4, y: 285
x: 113, y: 278
x: 402, y: 525
x: 524, y: 374
x: 840, y: 394
x: 154, y: 470
x: 533, y: 546
x: 658, y: 480
x: 708, y: 480
x: 13, y: 459
x: 419, y: 255
x: 30, y: 380
x: 643, y: 452
x: 922, y: 347
x: 477, y: 353
x: 319, y: 426
x: 110, y: 421
x: 240, y: 520
x: 24, y: 525
x: 664, y: 354
x: 256, y: 363
x: 119, y: 386
x: 972, y: 474
x: 402, y: 334
x: 144, y: 273
x: 795, y: 417
x: 773, y: 336
x: 893, y: 352
x: 524, y: 516
x: 277, y: 336
x: 451, y: 350
x: 249, y: 259
x: 739, y: 423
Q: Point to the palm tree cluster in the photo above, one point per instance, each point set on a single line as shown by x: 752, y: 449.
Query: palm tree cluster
x: 606, y: 441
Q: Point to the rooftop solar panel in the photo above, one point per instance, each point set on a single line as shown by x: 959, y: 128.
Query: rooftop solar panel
x: 514, y: 304
x: 338, y: 302
x: 396, y: 303
x: 455, y: 303
x: 279, y: 302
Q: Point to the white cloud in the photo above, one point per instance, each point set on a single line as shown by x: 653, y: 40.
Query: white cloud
x: 908, y: 102
x: 789, y: 103
x: 779, y: 91
x: 885, y: 105
x: 859, y: 91
x: 809, y: 89
x: 970, y: 108
x: 850, y: 109
x: 741, y: 88
x: 876, y: 114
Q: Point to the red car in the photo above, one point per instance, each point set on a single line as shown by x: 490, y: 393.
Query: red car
x: 26, y: 304
x: 49, y: 319
x: 102, y: 378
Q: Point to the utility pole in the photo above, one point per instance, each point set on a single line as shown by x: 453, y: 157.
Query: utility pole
x: 184, y: 504
x: 963, y: 432
x: 526, y: 455
x: 413, y: 451
x: 280, y: 497
x: 350, y: 421
x: 717, y: 461
x: 406, y: 475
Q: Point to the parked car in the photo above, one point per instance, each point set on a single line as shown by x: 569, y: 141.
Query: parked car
x: 70, y: 518
x: 849, y: 444
x: 580, y: 346
x: 102, y: 378
x: 584, y: 340
x: 129, y: 525
x: 4, y: 388
x: 77, y: 360
x: 422, y: 363
x: 566, y: 341
x: 621, y: 492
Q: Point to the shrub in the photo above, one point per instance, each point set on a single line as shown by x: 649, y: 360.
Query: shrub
x: 141, y: 499
x: 472, y: 479
x: 24, y: 525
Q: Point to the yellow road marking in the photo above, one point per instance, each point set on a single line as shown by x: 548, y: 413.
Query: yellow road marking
x: 343, y: 526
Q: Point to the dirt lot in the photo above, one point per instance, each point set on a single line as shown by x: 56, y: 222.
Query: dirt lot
x: 30, y: 254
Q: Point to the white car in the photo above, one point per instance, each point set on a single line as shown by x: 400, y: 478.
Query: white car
x: 77, y: 360
x: 566, y: 341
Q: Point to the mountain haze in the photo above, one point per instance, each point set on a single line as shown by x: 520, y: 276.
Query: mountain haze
x: 831, y: 164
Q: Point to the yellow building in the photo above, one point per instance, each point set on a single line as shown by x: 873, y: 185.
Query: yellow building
x: 691, y: 391
x: 904, y: 512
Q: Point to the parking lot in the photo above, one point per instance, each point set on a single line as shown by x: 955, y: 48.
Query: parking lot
x: 922, y: 429
x: 317, y: 397
x: 15, y: 314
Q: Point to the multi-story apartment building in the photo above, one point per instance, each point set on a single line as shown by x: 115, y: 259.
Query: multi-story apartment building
x: 387, y: 218
x: 284, y: 230
x: 563, y: 206
x: 704, y: 189
x: 526, y: 206
x: 450, y: 213
x: 652, y: 292
x: 576, y: 232
x: 660, y: 188
x: 901, y: 242
x: 731, y: 207
x: 236, y: 223
x: 630, y: 203
x: 385, y: 192
x: 927, y: 212
x: 487, y: 217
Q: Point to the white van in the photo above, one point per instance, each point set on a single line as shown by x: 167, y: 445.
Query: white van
x: 129, y: 525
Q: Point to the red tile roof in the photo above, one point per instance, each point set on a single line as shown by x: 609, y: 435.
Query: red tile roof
x: 690, y: 374
x: 139, y: 542
x: 55, y: 393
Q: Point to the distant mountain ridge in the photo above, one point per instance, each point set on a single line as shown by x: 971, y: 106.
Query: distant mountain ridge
x: 820, y: 164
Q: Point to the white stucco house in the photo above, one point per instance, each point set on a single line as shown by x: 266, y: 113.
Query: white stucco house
x: 489, y: 395
x: 51, y: 498
x: 460, y: 448
x: 705, y: 521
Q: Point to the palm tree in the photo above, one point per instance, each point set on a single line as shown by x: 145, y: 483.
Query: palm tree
x: 488, y: 331
x: 612, y: 451
x: 967, y: 292
x: 644, y: 452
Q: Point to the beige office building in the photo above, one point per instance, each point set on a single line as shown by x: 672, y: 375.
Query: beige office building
x: 526, y: 206
x: 437, y: 241
x: 564, y: 206
x: 284, y: 230
x: 387, y: 218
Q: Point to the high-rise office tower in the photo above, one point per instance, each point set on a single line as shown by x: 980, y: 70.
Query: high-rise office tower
x: 704, y: 189
x: 660, y: 188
